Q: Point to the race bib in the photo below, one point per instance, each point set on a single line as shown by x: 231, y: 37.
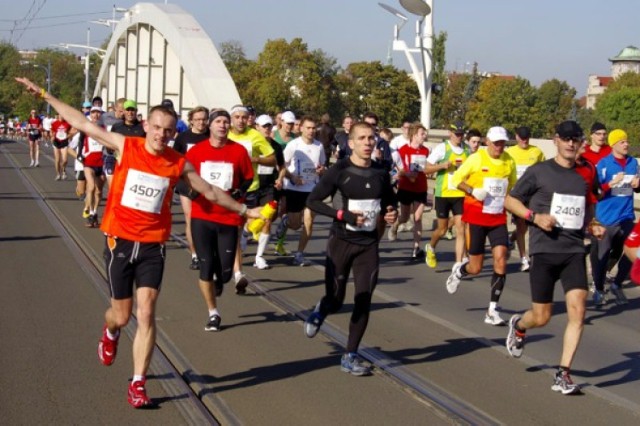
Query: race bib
x: 93, y: 145
x: 265, y: 170
x: 217, y: 174
x: 61, y: 134
x: 625, y: 189
x: 307, y: 171
x: 520, y: 171
x: 568, y: 210
x: 417, y: 163
x: 144, y: 191
x: 370, y: 209
x: 497, y: 191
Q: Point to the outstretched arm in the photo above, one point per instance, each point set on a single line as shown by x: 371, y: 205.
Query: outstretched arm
x: 74, y: 117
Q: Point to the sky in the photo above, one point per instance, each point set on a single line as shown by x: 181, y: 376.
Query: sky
x: 541, y: 40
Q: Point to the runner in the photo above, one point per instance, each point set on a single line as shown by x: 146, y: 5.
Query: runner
x: 552, y: 196
x: 412, y: 185
x: 34, y: 133
x: 93, y: 171
x: 486, y: 178
x: 137, y: 224
x: 226, y: 165
x: 363, y: 199
x: 198, y: 131
x: 525, y: 156
x: 60, y: 130
x: 444, y: 160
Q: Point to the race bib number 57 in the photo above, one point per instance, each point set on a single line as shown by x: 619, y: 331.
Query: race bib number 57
x: 144, y: 191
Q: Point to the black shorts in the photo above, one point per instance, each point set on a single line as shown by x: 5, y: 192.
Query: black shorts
x: 108, y: 164
x: 98, y: 171
x: 80, y: 175
x: 130, y: 262
x: 498, y: 236
x: 60, y: 144
x: 215, y: 245
x: 547, y: 268
x: 260, y: 197
x: 33, y: 136
x: 409, y: 197
x: 446, y: 205
x: 296, y: 200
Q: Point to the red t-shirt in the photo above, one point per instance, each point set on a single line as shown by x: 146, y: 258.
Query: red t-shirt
x: 588, y: 172
x: 225, y: 167
x: 413, y: 159
x: 594, y: 157
x: 34, y: 122
x: 60, y: 130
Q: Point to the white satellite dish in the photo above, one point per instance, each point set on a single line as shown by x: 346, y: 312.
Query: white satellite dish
x: 393, y: 10
x: 417, y: 7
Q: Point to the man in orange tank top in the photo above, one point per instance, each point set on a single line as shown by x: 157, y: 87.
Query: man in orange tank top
x: 137, y: 222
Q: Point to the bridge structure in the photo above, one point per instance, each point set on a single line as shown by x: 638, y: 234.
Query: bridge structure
x: 159, y: 51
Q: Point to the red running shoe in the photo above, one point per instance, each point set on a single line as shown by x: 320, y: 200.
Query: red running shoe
x: 107, y: 348
x: 138, y: 395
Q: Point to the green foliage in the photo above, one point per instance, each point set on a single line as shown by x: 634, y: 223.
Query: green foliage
x: 9, y: 90
x: 555, y: 102
x: 619, y: 107
x: 453, y: 99
x: 383, y: 89
x: 503, y: 102
x: 439, y: 77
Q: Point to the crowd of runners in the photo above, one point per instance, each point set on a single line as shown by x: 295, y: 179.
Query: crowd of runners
x: 243, y: 177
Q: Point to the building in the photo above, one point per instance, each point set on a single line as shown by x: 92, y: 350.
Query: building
x: 628, y: 60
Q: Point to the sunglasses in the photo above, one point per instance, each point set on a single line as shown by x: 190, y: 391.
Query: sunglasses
x: 575, y: 139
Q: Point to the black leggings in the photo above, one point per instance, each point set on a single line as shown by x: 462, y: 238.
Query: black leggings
x: 343, y: 256
x: 215, y: 245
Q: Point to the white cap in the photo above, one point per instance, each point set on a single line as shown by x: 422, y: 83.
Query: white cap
x: 288, y: 117
x: 96, y: 108
x: 263, y: 120
x: 497, y: 133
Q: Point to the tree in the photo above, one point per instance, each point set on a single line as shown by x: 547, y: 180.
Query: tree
x: 503, y: 102
x: 453, y: 99
x: 621, y: 109
x: 383, y: 89
x: 555, y: 103
x: 239, y: 67
x: 9, y: 91
x: 439, y: 78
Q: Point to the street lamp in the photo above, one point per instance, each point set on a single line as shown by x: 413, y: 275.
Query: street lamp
x: 46, y: 69
x: 423, y: 46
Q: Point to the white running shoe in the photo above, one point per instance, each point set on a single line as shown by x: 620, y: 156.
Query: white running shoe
x: 493, y: 318
x: 454, y: 279
x: 524, y: 265
x: 32, y: 163
x: 392, y: 235
x: 261, y: 263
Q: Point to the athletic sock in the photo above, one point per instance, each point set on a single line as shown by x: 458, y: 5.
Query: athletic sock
x: 213, y: 312
x: 263, y: 240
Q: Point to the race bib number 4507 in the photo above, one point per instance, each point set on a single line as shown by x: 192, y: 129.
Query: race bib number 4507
x: 144, y: 191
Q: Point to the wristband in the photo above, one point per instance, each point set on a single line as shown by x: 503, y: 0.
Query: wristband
x: 469, y: 191
x: 42, y: 93
x: 243, y: 210
x: 340, y: 215
x: 528, y: 216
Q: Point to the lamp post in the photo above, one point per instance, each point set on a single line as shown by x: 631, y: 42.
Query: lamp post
x: 423, y: 47
x: 47, y: 70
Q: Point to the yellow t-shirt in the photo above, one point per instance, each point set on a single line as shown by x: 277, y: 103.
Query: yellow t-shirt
x: 256, y: 146
x: 525, y: 157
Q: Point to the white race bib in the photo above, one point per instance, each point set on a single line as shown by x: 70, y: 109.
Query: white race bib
x: 217, y: 174
x: 625, y: 189
x: 307, y: 171
x: 497, y: 191
x: 520, y: 170
x: 93, y: 145
x: 144, y: 191
x: 370, y: 209
x: 568, y: 210
x: 418, y: 163
x: 265, y: 170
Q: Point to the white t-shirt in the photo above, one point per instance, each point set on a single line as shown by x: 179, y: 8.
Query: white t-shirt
x: 437, y: 154
x: 46, y: 123
x: 302, y: 159
x: 73, y: 144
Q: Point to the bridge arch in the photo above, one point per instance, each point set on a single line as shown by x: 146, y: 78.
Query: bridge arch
x: 159, y: 51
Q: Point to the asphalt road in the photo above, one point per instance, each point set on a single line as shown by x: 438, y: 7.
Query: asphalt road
x: 436, y: 361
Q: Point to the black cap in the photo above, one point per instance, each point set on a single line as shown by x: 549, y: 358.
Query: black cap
x: 597, y: 126
x: 167, y: 103
x: 457, y: 127
x: 523, y: 132
x: 569, y: 129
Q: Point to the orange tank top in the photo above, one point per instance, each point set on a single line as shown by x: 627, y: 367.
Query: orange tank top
x: 139, y: 203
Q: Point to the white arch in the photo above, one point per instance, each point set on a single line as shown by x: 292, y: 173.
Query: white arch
x: 159, y: 51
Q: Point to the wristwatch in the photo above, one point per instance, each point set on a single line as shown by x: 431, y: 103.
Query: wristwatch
x: 243, y: 210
